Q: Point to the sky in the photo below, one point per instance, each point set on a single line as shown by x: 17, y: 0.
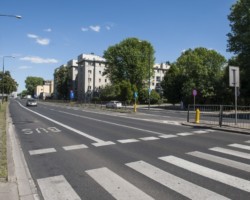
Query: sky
x: 53, y: 32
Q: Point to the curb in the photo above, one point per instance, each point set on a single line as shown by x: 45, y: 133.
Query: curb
x: 215, y: 127
x: 18, y: 171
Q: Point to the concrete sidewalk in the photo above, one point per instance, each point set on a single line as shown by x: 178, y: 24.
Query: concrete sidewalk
x: 20, y: 185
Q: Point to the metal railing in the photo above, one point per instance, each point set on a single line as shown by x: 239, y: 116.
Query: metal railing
x: 221, y: 115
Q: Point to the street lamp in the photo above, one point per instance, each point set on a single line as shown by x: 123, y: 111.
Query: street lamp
x: 16, y: 16
x: 3, y: 75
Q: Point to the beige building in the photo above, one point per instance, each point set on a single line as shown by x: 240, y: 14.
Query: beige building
x: 159, y: 73
x: 45, y: 90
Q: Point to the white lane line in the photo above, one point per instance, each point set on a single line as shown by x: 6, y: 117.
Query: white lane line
x: 184, y: 134
x: 65, y: 126
x: 200, y: 132
x: 168, y: 136
x: 227, y: 179
x: 57, y: 187
x: 118, y: 187
x: 75, y: 147
x: 41, y: 151
x: 173, y: 182
x: 149, y: 138
x: 115, y: 124
x: 240, y: 146
x: 231, y: 152
x: 99, y: 144
x: 220, y: 160
x: 248, y: 141
x: 128, y: 141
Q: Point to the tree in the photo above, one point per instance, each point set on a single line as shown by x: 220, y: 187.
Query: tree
x: 62, y: 82
x: 199, y: 69
x: 8, y: 84
x: 130, y: 60
x: 31, y: 83
x: 239, y: 42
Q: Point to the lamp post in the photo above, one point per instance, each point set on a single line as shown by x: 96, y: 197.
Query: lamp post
x: 3, y: 75
x: 149, y: 82
x: 16, y: 16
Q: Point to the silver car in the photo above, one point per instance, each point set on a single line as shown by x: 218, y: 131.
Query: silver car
x: 114, y: 104
x: 31, y: 102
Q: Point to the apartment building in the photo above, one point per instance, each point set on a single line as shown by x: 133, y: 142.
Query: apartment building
x: 90, y: 76
x: 160, y: 69
x: 73, y: 76
x: 45, y: 90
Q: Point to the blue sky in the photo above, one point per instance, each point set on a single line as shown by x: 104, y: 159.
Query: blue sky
x: 52, y: 32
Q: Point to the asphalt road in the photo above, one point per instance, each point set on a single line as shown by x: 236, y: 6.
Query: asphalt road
x: 73, y: 153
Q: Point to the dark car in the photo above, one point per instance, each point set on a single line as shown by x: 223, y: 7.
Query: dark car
x: 31, y: 102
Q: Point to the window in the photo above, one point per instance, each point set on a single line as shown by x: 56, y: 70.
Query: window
x: 89, y: 79
x: 158, y: 78
x: 89, y: 71
x: 100, y: 80
x: 89, y: 87
x: 100, y: 72
x: 105, y: 80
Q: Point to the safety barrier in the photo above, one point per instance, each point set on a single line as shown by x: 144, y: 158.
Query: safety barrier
x: 221, y: 115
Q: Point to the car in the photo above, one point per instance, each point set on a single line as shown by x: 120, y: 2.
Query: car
x: 31, y: 102
x: 114, y: 104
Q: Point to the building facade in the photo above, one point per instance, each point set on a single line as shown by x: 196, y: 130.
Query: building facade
x: 45, y: 90
x: 90, y: 76
x: 160, y: 69
x: 73, y: 76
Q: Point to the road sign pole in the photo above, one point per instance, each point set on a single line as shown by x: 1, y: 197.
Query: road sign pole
x: 235, y: 96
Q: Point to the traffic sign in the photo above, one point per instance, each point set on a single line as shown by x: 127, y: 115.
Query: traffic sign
x: 194, y: 93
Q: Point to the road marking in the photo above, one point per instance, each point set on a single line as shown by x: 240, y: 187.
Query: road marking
x: 65, y: 126
x: 175, y: 183
x: 99, y: 144
x: 227, y: 179
x: 240, y: 146
x: 57, y: 187
x: 115, y: 124
x: 41, y: 151
x: 149, y: 138
x: 118, y: 187
x: 184, y: 134
x: 168, y: 136
x: 220, y: 160
x: 248, y: 141
x: 128, y: 141
x: 74, y: 147
x: 231, y: 152
x: 200, y: 132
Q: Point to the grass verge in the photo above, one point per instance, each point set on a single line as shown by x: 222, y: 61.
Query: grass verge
x: 3, y: 146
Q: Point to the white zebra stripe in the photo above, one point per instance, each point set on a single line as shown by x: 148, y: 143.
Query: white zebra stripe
x: 240, y: 146
x: 231, y: 152
x: 175, y: 183
x: 227, y: 179
x: 222, y: 161
x: 118, y: 187
x: 128, y: 141
x: 184, y: 134
x: 149, y: 138
x: 74, y: 147
x: 57, y: 188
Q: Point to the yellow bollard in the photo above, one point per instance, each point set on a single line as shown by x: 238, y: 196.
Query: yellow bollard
x: 135, y: 107
x: 197, y: 116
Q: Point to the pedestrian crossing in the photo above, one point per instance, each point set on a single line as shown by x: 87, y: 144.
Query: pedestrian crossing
x: 119, y: 186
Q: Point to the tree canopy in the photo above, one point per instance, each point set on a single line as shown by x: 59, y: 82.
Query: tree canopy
x: 8, y: 84
x: 130, y: 60
x: 239, y: 43
x: 62, y: 82
x: 31, y: 83
x: 200, y: 69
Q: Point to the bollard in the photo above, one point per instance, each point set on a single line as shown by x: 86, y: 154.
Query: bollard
x: 197, y: 116
x: 135, y: 107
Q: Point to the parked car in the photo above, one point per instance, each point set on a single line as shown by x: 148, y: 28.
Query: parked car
x: 31, y: 102
x: 114, y: 104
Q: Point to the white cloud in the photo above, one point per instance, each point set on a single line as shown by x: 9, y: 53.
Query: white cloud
x: 43, y: 41
x: 95, y: 28
x: 25, y: 67
x: 84, y: 29
x: 32, y: 36
x: 39, y: 40
x: 108, y: 28
x: 48, y: 30
x: 39, y: 60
